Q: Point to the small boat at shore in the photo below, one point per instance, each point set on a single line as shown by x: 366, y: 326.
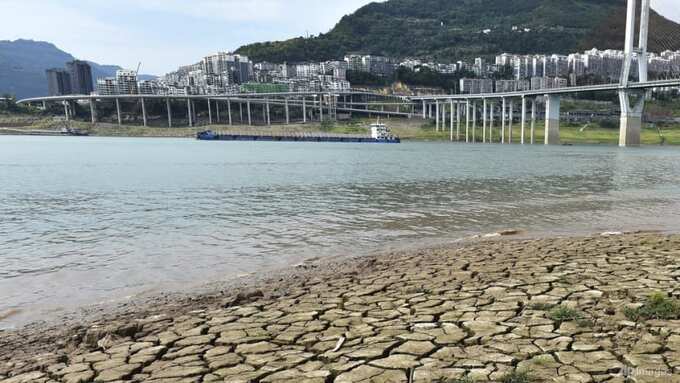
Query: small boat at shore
x: 74, y: 132
x: 380, y: 134
x: 41, y: 132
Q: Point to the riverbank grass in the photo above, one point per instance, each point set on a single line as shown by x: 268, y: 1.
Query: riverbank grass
x: 517, y: 376
x: 658, y: 306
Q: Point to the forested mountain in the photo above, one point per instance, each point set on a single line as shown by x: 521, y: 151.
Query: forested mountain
x: 462, y: 29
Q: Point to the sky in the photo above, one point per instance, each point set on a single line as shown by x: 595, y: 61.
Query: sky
x: 164, y: 34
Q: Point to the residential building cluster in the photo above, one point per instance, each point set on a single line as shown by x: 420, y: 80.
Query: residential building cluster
x: 305, y: 77
x: 76, y: 78
x: 229, y: 73
x: 604, y: 65
x: 480, y: 67
x: 485, y: 85
x: 215, y: 74
x: 535, y: 72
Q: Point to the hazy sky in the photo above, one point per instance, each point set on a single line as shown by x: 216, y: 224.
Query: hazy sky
x: 164, y: 34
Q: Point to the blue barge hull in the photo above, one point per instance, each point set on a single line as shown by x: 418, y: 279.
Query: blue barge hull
x: 210, y: 136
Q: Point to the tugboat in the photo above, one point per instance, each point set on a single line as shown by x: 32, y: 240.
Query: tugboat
x: 207, y: 135
x: 382, y: 134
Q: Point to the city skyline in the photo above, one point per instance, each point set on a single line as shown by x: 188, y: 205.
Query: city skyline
x: 129, y: 32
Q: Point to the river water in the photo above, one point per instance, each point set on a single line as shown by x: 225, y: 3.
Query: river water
x: 87, y: 220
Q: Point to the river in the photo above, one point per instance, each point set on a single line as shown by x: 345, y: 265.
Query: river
x: 85, y: 220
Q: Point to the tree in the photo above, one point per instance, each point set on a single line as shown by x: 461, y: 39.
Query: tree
x: 9, y: 103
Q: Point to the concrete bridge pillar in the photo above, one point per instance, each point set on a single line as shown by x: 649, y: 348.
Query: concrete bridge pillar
x: 167, y: 105
x: 451, y: 121
x: 491, y: 122
x: 437, y: 117
x: 511, y: 120
x: 120, y: 119
x: 269, y: 118
x: 533, y: 121
x: 457, y: 120
x: 304, y: 110
x: 503, y: 117
x: 523, y: 119
x: 631, y: 117
x: 467, y: 121
x: 143, y: 111
x: 217, y: 111
x: 250, y: 116
x: 330, y: 107
x: 321, y: 109
x: 474, y: 122
x: 552, y: 120
x: 93, y: 110
x: 191, y: 119
x: 424, y: 110
x: 484, y: 124
x: 66, y: 112
x: 229, y: 111
x: 193, y: 112
x: 287, y: 111
x: 210, y: 120
x: 443, y: 116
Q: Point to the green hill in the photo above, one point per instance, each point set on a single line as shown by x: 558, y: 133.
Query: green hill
x: 455, y: 29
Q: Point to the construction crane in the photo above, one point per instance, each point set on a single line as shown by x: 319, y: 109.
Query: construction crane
x: 138, y: 66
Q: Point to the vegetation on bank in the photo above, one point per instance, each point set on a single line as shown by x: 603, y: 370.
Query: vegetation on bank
x: 517, y: 377
x: 657, y: 306
x: 9, y: 106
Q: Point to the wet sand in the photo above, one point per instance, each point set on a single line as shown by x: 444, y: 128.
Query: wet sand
x: 481, y: 310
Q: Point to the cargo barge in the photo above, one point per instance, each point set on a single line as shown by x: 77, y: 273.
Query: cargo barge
x: 380, y: 134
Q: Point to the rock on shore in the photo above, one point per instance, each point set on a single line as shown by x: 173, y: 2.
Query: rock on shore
x: 545, y: 310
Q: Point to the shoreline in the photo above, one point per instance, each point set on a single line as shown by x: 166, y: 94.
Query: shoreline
x: 414, y: 129
x: 93, y: 310
x: 304, y: 311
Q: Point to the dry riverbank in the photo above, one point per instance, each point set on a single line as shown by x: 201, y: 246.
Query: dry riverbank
x: 562, y: 310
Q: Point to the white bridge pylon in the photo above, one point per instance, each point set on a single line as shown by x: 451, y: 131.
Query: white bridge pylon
x: 633, y: 101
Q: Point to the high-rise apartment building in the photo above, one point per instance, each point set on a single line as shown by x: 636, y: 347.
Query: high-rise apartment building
x: 81, y: 77
x: 58, y: 82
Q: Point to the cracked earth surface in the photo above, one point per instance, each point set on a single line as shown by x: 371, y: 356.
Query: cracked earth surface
x: 478, y: 311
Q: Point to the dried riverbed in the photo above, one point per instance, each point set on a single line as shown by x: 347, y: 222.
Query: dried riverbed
x: 555, y: 310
